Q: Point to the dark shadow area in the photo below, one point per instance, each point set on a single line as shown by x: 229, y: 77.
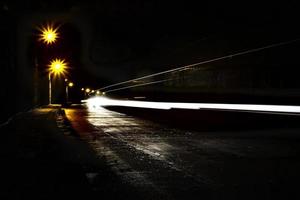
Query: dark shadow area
x: 42, y: 161
x: 213, y: 120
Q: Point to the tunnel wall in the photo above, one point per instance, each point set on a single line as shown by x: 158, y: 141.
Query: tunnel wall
x: 17, y: 74
x: 8, y: 80
x: 268, y: 76
x: 21, y: 87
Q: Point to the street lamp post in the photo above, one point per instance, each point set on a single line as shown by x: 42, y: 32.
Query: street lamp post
x: 87, y: 91
x: 48, y: 35
x: 50, y: 94
x: 56, y: 67
x: 70, y: 84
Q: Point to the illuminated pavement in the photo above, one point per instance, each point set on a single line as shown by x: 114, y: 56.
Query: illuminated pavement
x: 178, y: 164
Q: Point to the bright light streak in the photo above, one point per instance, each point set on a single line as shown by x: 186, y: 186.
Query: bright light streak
x: 48, y: 34
x: 96, y: 102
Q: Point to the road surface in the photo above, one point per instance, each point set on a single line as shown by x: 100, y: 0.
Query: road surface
x: 161, y: 162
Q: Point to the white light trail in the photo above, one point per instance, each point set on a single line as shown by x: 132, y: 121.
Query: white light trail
x: 97, y: 102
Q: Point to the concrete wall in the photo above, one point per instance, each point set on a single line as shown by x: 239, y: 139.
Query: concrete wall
x: 268, y: 76
x: 8, y: 71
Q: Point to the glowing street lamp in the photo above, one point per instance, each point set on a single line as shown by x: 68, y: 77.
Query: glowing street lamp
x: 56, y: 67
x: 48, y: 34
x: 87, y: 90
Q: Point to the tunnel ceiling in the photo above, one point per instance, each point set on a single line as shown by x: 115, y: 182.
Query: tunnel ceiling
x: 132, y: 38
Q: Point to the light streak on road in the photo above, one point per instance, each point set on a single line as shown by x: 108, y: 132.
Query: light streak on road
x: 96, y: 102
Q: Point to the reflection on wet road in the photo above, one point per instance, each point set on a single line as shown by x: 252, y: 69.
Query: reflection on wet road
x: 178, y: 164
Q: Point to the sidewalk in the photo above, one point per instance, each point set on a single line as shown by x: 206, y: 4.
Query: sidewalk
x: 41, y: 159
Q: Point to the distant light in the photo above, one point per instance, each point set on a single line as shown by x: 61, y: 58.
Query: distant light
x: 71, y: 84
x: 48, y: 34
x: 66, y: 80
x: 82, y: 89
x: 103, y: 93
x: 87, y: 90
x: 98, y: 92
x: 57, y: 66
x: 93, y: 91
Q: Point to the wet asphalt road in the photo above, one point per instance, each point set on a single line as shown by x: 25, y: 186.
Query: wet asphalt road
x: 162, y: 162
